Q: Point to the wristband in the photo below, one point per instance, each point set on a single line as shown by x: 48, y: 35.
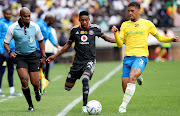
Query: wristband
x: 9, y: 52
x: 44, y: 56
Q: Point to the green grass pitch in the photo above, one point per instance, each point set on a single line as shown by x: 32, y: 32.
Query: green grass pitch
x: 158, y: 96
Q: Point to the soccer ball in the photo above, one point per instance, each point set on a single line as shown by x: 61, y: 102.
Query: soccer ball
x: 94, y: 107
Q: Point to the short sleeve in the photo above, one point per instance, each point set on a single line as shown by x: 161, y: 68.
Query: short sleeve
x: 122, y: 32
x: 9, y: 35
x: 39, y: 35
x: 99, y: 32
x: 72, y: 32
x: 152, y: 29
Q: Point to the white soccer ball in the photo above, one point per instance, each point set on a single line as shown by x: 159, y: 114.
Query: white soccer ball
x: 94, y: 107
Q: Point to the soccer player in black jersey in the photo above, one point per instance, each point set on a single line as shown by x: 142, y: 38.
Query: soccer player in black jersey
x: 84, y: 37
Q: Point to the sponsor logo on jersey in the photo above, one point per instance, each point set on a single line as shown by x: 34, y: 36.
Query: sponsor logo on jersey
x: 83, y: 32
x: 77, y: 33
x: 134, y: 32
x: 91, y: 32
x: 84, y: 39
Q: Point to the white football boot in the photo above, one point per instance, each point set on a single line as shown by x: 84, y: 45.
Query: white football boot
x: 84, y: 109
x: 121, y: 109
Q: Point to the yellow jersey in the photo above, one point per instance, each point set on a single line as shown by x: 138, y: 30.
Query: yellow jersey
x: 135, y: 36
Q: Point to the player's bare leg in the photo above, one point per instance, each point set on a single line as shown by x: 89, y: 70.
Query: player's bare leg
x: 69, y: 86
x: 23, y: 75
x: 130, y: 89
x: 124, y: 83
x: 34, y: 76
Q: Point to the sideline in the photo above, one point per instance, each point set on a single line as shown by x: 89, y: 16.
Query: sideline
x: 94, y: 87
x: 53, y: 80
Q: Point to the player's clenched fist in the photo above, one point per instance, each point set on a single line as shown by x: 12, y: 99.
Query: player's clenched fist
x: 176, y: 39
x: 114, y: 29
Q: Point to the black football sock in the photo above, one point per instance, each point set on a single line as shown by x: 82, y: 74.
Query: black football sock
x: 85, y: 82
x: 36, y: 88
x: 26, y: 92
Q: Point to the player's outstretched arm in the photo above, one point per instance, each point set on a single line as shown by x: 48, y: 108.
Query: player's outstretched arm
x: 118, y: 40
x: 63, y: 50
x: 106, y: 38
x: 167, y: 39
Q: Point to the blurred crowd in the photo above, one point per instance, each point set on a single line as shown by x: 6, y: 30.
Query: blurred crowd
x: 105, y: 13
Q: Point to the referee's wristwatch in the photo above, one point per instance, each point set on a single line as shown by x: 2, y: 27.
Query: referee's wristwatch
x: 44, y: 56
x: 9, y: 52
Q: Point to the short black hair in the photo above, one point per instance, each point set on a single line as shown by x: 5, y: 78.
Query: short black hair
x: 83, y: 13
x: 4, y: 11
x: 135, y: 4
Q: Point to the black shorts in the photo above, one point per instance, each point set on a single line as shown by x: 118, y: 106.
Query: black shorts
x: 77, y: 70
x: 31, y: 62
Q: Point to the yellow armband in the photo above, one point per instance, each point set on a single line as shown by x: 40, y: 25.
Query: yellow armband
x: 118, y: 40
x: 163, y: 39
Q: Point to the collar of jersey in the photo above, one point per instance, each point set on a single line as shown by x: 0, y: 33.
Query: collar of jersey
x: 136, y: 21
x: 22, y: 25
x: 5, y: 20
x: 86, y: 28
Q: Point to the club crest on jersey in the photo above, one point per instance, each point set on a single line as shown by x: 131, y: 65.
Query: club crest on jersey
x: 136, y: 25
x: 31, y: 39
x: 91, y: 32
x: 84, y: 39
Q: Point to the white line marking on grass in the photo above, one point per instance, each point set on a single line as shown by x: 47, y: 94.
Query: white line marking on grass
x: 56, y: 78
x: 96, y: 85
x: 5, y: 99
x: 53, y: 80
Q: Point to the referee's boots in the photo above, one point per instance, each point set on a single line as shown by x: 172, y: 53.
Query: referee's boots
x: 30, y: 109
x: 38, y: 95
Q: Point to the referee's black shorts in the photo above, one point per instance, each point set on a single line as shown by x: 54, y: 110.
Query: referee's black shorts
x: 31, y: 62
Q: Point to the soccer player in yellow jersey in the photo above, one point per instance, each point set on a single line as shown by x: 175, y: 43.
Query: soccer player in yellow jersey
x: 134, y: 34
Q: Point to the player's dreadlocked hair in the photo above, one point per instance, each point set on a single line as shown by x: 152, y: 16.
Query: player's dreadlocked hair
x: 83, y: 13
x: 134, y: 4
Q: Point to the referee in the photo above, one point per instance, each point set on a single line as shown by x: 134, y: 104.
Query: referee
x: 24, y: 32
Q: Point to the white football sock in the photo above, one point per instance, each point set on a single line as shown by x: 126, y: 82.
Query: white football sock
x: 0, y: 90
x: 11, y: 90
x: 130, y: 89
